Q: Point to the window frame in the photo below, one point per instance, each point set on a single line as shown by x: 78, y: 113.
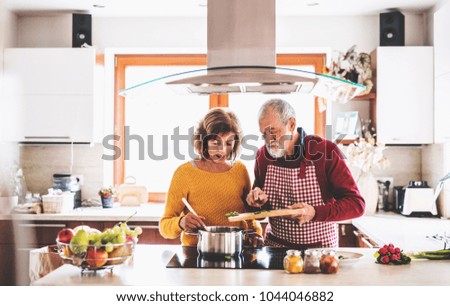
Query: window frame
x: 122, y: 61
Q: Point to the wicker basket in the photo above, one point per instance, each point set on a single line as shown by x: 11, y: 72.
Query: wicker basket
x: 54, y: 204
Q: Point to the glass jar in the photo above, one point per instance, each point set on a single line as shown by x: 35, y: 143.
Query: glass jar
x: 312, y: 261
x: 329, y: 263
x: 293, y: 262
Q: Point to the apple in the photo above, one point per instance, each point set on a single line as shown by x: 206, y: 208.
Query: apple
x: 65, y: 235
x: 96, y: 257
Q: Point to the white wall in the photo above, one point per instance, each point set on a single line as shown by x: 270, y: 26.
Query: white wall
x: 9, y: 152
x: 339, y: 32
x: 293, y: 33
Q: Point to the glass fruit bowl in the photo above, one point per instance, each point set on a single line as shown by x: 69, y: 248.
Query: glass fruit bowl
x: 95, y: 257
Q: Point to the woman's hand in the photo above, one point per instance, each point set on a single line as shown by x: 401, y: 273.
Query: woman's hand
x: 191, y: 222
x: 253, y: 240
x: 307, y: 214
x: 256, y: 197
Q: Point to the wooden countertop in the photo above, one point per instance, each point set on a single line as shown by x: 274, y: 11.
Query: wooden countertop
x: 149, y: 269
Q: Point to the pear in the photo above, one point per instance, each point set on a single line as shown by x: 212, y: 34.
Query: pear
x: 79, y: 242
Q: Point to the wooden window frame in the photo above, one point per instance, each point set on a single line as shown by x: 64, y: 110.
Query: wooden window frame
x: 122, y: 61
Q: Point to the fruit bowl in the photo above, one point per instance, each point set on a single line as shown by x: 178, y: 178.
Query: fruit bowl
x: 95, y: 257
x: 92, y: 250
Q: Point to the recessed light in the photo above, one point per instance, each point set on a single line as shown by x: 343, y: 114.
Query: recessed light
x: 312, y: 4
x: 99, y: 5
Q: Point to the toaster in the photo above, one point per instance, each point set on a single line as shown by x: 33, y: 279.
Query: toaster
x: 418, y: 200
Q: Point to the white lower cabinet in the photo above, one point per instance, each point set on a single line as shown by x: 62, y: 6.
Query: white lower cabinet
x: 405, y: 90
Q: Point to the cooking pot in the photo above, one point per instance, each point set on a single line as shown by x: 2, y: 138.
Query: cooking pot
x: 220, y: 241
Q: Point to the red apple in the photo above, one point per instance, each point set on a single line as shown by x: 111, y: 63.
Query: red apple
x: 96, y: 257
x: 65, y: 235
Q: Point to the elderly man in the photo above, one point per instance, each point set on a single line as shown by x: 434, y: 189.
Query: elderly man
x: 299, y: 171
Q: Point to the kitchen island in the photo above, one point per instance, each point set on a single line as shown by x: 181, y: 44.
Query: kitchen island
x: 148, y: 268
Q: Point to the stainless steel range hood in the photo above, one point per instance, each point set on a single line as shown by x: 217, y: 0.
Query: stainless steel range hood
x: 241, y: 58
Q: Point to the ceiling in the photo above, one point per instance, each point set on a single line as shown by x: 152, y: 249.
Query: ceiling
x: 123, y: 8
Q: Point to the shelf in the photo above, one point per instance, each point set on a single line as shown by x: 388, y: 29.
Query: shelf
x: 346, y: 142
x: 369, y: 96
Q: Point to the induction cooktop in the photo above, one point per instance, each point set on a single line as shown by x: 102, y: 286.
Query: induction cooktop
x: 250, y: 258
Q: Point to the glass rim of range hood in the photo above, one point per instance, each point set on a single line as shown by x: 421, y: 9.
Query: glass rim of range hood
x: 327, y: 85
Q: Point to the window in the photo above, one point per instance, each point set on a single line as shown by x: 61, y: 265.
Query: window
x: 150, y: 123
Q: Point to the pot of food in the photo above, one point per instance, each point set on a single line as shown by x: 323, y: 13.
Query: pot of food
x: 220, y: 241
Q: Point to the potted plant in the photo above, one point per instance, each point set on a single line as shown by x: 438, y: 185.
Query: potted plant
x: 107, y: 195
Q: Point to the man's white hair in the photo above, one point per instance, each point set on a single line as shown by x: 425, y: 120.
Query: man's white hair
x: 280, y: 107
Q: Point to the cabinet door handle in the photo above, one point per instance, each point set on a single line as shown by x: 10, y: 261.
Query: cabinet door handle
x: 343, y: 230
x: 61, y: 225
x: 367, y: 242
x: 47, y: 137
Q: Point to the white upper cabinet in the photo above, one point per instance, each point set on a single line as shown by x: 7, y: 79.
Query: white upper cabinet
x: 442, y: 40
x: 405, y: 90
x: 52, y: 94
x: 442, y: 75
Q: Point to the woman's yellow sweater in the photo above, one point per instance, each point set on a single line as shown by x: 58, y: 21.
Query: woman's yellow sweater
x: 210, y: 194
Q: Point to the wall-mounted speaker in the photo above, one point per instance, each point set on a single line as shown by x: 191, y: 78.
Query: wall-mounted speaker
x: 392, y: 29
x: 81, y: 30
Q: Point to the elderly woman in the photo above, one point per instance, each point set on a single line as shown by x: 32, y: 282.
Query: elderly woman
x: 213, y: 184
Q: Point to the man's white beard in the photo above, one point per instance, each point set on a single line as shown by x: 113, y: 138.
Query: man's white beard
x: 276, y: 153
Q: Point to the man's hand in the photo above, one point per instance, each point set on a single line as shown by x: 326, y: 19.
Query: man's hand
x: 256, y: 197
x: 307, y: 214
x: 191, y: 223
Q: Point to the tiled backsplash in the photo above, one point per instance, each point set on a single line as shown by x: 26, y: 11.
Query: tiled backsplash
x: 40, y: 162
x: 436, y: 164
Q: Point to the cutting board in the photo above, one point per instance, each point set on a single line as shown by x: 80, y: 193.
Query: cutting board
x: 264, y: 214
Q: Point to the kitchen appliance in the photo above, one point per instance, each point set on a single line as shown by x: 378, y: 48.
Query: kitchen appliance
x: 131, y: 194
x: 250, y: 258
x: 68, y: 182
x: 417, y: 200
x: 242, y: 58
x: 220, y: 241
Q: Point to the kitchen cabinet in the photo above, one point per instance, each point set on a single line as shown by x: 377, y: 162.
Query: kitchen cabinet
x: 19, y: 237
x: 441, y: 75
x: 347, y: 237
x: 442, y: 108
x: 51, y: 94
x: 405, y: 89
x: 441, y: 41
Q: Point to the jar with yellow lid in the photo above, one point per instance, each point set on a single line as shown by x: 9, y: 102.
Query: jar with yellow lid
x: 293, y: 262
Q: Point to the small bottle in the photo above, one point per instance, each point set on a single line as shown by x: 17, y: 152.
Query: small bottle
x: 329, y: 264
x: 312, y: 261
x: 293, y: 262
x: 36, y: 198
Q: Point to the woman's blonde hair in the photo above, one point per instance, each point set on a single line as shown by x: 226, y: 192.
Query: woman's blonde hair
x: 217, y: 121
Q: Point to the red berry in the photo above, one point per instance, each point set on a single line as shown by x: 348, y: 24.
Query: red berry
x: 385, y: 246
x: 394, y: 257
x: 391, y: 245
x: 397, y: 250
x: 385, y: 259
x: 382, y: 251
x: 391, y: 249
